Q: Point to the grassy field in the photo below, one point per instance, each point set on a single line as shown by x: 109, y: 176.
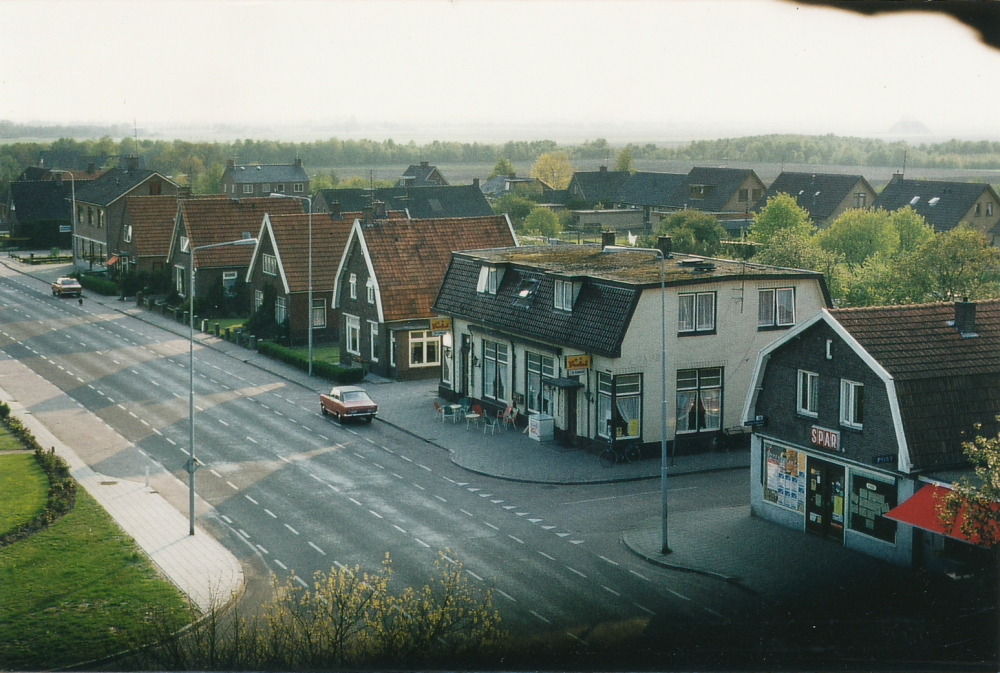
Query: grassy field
x: 77, y: 591
x: 25, y: 485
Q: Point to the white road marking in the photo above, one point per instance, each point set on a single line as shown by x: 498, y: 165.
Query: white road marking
x: 273, y: 515
x: 605, y: 558
x: 680, y: 595
x: 551, y: 558
x: 516, y: 539
x: 317, y: 549
x: 376, y: 514
x: 491, y: 525
x: 422, y: 542
x: 474, y: 575
x: 506, y: 595
x: 250, y: 499
x: 610, y: 591
x: 282, y: 565
x: 233, y: 486
x: 227, y: 519
x: 291, y: 529
x: 641, y: 607
x: 576, y: 571
x: 398, y: 528
x: 540, y: 617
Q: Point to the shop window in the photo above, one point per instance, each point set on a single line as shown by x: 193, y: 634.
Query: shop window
x: 699, y: 400
x: 696, y: 313
x: 872, y: 495
x: 619, y: 405
x: 496, y: 370
x: 776, y: 307
x: 539, y: 368
x: 352, y: 334
x: 852, y: 404
x: 425, y: 349
x: 808, y: 393
x: 784, y: 477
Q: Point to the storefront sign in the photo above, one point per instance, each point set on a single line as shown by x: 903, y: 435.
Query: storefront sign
x: 882, y: 460
x: 577, y: 364
x: 440, y: 326
x: 828, y: 439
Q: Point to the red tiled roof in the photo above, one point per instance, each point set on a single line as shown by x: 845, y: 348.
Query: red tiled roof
x: 410, y: 257
x: 218, y: 219
x: 152, y: 220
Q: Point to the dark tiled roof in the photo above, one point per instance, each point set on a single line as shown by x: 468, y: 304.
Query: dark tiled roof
x: 599, y: 185
x: 112, y: 185
x: 817, y: 193
x: 954, y: 199
x: 410, y: 257
x: 152, y: 221
x: 649, y: 189
x: 218, y: 219
x: 44, y: 200
x: 271, y: 173
x: 418, y: 175
x: 597, y: 324
x: 945, y: 382
x: 722, y: 183
x: 419, y: 202
x: 501, y: 184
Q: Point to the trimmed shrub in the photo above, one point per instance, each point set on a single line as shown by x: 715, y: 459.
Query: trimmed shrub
x: 104, y: 286
x: 325, y: 370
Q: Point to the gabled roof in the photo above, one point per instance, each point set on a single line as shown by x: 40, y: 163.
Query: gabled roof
x: 943, y: 204
x: 419, y: 202
x: 501, y: 184
x: 152, y: 221
x: 817, y: 193
x: 649, y: 189
x: 600, y: 185
x: 218, y: 219
x: 722, y: 183
x: 43, y: 200
x: 408, y: 258
x: 419, y: 175
x: 270, y: 173
x: 114, y: 184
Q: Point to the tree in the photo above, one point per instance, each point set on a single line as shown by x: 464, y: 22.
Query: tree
x: 543, y: 221
x: 958, y: 263
x: 912, y: 228
x: 693, y: 232
x: 975, y: 509
x: 514, y: 205
x: 623, y: 162
x: 501, y: 167
x: 780, y: 213
x: 792, y: 248
x: 554, y: 169
x: 858, y: 234
x: 209, y: 181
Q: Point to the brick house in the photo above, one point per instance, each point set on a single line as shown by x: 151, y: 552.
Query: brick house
x: 945, y: 205
x: 264, y: 179
x: 726, y: 193
x: 421, y: 175
x: 143, y: 240
x: 823, y: 195
x: 385, y: 284
x: 575, y: 332
x: 861, y: 411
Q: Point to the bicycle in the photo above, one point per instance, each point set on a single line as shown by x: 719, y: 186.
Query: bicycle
x: 620, y: 450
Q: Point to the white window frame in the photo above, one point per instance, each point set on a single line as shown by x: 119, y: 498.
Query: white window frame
x: 280, y: 188
x: 496, y: 370
x: 562, y: 293
x: 776, y: 307
x: 539, y: 368
x: 180, y: 279
x: 352, y: 334
x: 258, y: 299
x: 185, y: 244
x: 429, y: 348
x: 280, y: 310
x: 128, y: 233
x: 265, y: 188
x: 248, y: 189
x: 269, y: 265
x: 353, y: 284
x: 297, y: 188
x: 702, y: 389
x: 807, y: 391
x: 370, y: 286
x: 373, y: 340
x: 695, y: 312
x: 319, y: 312
x: 229, y: 282
x: 852, y: 404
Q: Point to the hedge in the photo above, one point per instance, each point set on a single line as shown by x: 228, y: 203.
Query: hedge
x: 325, y: 370
x: 102, y: 286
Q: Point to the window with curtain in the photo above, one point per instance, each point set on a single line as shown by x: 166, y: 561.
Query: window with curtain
x: 699, y: 400
x: 619, y: 405
x: 539, y: 367
x: 496, y: 374
x: 696, y: 312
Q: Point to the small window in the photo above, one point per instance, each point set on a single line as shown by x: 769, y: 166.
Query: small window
x: 265, y: 188
x: 319, y: 313
x: 354, y: 286
x: 776, y: 307
x: 744, y: 195
x: 258, y: 299
x: 280, y: 188
x: 185, y: 244
x: 373, y: 340
x: 860, y: 200
x: 852, y: 404
x: 757, y: 193
x: 371, y: 290
x: 229, y: 282
x: 989, y: 208
x: 979, y: 209
x: 914, y: 200
x: 352, y: 332
x: 128, y: 233
x: 808, y: 396
x: 933, y: 202
x: 563, y: 295
x: 248, y: 189
x: 279, y: 310
x: 297, y: 188
x: 269, y: 264
x: 696, y: 313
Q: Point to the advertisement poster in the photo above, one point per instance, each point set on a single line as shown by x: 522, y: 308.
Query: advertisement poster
x: 784, y: 477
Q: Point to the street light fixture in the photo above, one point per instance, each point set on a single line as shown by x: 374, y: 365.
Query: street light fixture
x: 665, y: 548
x: 309, y: 313
x: 192, y: 463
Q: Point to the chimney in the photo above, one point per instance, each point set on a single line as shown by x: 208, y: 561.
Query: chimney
x: 425, y: 163
x: 91, y: 168
x: 378, y: 210
x: 184, y: 192
x: 603, y: 169
x: 298, y: 163
x: 335, y: 211
x: 965, y: 317
x: 607, y: 238
x: 475, y: 182
x: 664, y: 244
x: 897, y: 178
x: 366, y: 216
x: 231, y: 163
x: 131, y: 163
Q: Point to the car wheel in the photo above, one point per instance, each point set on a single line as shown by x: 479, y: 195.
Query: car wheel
x: 369, y: 419
x: 340, y: 417
x: 323, y: 409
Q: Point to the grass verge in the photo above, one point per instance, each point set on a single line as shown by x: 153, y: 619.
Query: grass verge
x: 23, y: 495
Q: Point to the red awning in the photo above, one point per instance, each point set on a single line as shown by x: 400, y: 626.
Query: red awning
x: 920, y: 510
x: 111, y: 260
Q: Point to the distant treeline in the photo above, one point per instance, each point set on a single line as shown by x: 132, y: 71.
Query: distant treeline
x: 207, y: 158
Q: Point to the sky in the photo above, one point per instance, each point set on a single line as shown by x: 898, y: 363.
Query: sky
x: 493, y: 70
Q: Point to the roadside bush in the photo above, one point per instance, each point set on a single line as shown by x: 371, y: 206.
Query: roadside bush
x: 103, y: 286
x: 326, y: 370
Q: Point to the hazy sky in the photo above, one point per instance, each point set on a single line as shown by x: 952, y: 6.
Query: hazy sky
x: 726, y: 67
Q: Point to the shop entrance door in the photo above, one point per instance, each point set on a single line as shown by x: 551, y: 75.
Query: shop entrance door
x: 825, y: 500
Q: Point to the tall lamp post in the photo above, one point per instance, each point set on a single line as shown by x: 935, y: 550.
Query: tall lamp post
x: 665, y: 547
x: 72, y: 213
x: 192, y: 463
x: 309, y: 200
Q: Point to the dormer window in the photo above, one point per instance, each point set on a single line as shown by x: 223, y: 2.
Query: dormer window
x: 699, y: 191
x: 489, y: 279
x: 563, y: 294
x: 526, y: 292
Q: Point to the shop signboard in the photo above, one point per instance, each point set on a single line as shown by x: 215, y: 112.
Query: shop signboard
x: 577, y: 364
x: 440, y: 326
x: 828, y: 439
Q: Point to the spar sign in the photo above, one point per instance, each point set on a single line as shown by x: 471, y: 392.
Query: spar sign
x: 828, y: 439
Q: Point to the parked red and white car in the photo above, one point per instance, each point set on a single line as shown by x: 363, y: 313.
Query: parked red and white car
x: 65, y: 286
x: 348, y: 402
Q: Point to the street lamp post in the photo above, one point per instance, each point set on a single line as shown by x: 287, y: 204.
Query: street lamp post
x: 72, y: 213
x: 309, y: 313
x: 665, y: 547
x: 192, y: 463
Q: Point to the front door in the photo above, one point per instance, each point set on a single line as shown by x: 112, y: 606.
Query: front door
x: 825, y: 499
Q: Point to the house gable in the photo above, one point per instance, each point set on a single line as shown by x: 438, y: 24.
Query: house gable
x: 823, y: 195
x: 943, y: 204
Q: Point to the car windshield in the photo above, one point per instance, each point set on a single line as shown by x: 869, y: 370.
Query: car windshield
x: 67, y: 281
x: 356, y: 396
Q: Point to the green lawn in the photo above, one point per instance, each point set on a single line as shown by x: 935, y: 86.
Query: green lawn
x: 77, y: 591
x: 322, y: 353
x: 25, y: 486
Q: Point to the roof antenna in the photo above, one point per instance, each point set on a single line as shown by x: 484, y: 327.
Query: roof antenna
x: 135, y: 130
x: 904, y: 163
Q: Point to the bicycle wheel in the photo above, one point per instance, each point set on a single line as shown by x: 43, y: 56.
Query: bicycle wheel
x: 608, y: 458
x: 632, y: 453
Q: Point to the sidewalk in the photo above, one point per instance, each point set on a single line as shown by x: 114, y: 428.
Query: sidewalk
x: 727, y: 543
